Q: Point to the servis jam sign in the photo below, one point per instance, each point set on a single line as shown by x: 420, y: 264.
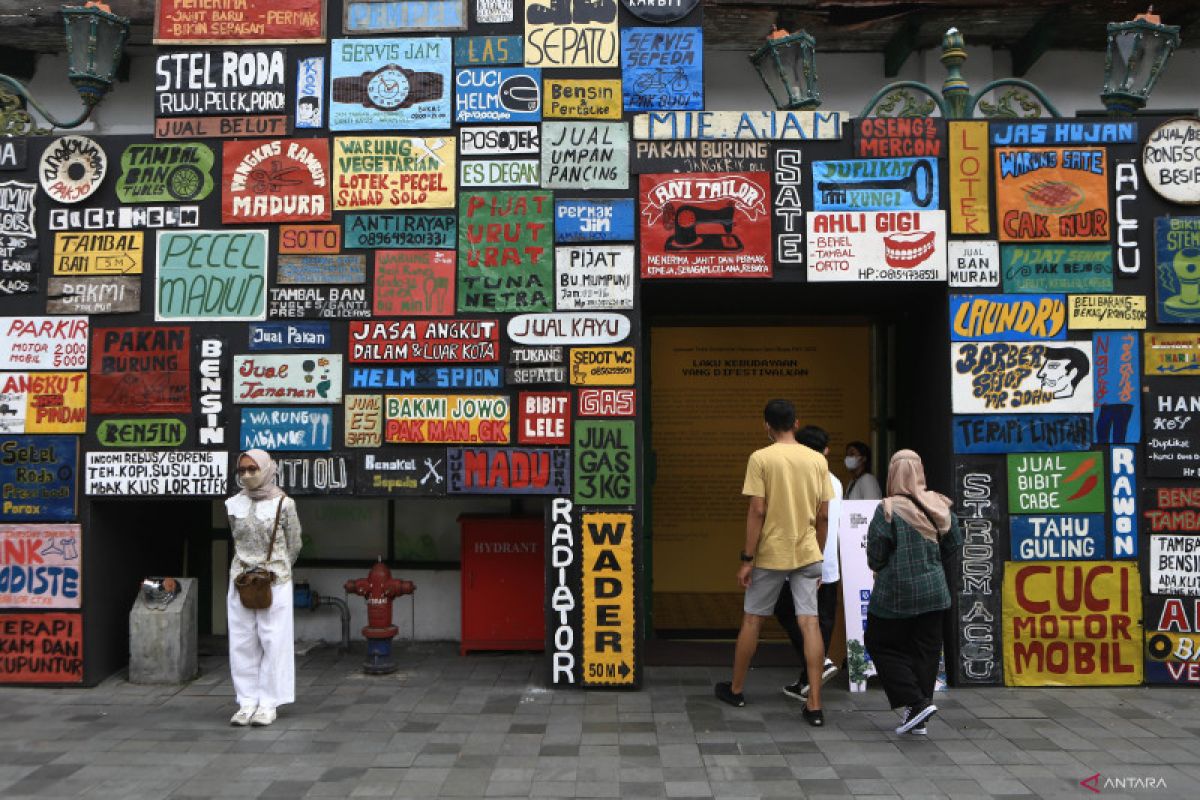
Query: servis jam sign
x: 877, y: 246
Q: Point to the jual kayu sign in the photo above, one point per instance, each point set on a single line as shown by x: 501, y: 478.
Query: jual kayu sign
x: 897, y: 246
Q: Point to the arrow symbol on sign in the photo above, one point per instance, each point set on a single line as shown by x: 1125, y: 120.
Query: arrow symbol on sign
x: 121, y: 263
x: 623, y: 670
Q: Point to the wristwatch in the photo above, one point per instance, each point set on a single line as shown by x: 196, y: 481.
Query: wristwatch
x: 388, y: 88
x: 745, y: 557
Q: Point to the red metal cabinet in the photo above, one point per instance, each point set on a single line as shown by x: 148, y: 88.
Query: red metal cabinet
x: 503, y: 583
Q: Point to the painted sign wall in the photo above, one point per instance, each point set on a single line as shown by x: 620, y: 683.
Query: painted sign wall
x: 42, y: 566
x: 876, y: 246
x: 505, y: 246
x: 1018, y: 377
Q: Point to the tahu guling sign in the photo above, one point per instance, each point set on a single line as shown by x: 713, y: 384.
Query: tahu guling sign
x: 43, y: 343
x: 137, y: 473
x: 393, y: 172
x: 43, y: 402
x: 425, y: 341
x: 239, y: 22
x: 190, y: 83
x: 1059, y: 537
x: 284, y: 180
x: 876, y: 246
x: 1017, y: 377
x: 455, y: 418
x: 287, y: 378
x: 40, y: 566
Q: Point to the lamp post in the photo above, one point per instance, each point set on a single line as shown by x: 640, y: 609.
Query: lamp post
x: 787, y: 66
x: 1137, y: 53
x: 95, y: 40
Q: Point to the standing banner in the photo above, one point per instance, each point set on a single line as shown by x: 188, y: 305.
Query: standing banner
x: 857, y: 582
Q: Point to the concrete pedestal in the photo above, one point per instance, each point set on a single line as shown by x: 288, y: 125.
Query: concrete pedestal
x: 162, y: 641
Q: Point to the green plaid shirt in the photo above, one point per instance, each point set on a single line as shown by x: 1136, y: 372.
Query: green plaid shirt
x: 909, y: 574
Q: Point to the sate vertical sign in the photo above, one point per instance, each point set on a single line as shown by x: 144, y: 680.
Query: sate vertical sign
x: 1118, y: 411
x: 239, y: 22
x: 980, y: 502
x: 1019, y: 377
x: 662, y: 69
x: 609, y: 634
x: 1072, y: 624
x: 970, y: 204
x: 1177, y: 269
x: 43, y: 402
x: 40, y: 566
x: 1052, y: 194
x: 165, y: 173
x: 386, y: 84
x: 563, y: 34
x: 141, y: 371
x: 416, y: 283
x: 41, y: 648
x: 37, y: 477
x: 706, y: 225
x: 605, y: 463
x: 211, y: 275
x: 788, y: 207
x: 505, y: 252
x: 283, y: 180
x: 392, y: 172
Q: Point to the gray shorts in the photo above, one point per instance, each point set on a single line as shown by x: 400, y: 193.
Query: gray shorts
x: 765, y: 585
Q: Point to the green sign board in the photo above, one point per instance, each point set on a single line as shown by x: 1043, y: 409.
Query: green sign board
x: 211, y: 275
x: 605, y: 471
x: 1076, y: 268
x: 148, y: 432
x: 1055, y: 482
x: 165, y: 173
x: 506, y: 251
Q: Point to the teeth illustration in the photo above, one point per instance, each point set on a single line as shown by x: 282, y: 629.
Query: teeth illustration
x: 907, y: 250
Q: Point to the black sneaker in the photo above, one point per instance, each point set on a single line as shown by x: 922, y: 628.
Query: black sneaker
x: 917, y: 713
x: 829, y: 671
x: 814, y: 717
x: 724, y: 692
x: 919, y: 730
x: 797, y: 690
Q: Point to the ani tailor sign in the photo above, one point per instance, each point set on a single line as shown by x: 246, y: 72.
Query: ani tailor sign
x: 877, y: 246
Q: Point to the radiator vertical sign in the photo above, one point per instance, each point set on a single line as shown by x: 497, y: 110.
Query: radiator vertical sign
x: 609, y: 636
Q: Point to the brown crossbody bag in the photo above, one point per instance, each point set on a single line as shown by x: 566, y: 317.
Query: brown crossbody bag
x: 254, y: 585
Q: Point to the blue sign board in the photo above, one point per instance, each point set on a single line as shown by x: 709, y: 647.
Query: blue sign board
x: 662, y: 69
x: 310, y: 92
x: 1021, y: 433
x: 1177, y: 267
x: 38, y: 477
x: 1122, y: 472
x: 876, y: 184
x: 498, y: 94
x: 396, y: 16
x: 1117, y: 387
x: 1062, y: 132
x: 290, y: 336
x: 425, y: 378
x: 488, y: 50
x: 1007, y: 317
x: 389, y: 84
x: 287, y: 428
x: 1058, y: 537
x: 593, y: 220
x: 401, y: 231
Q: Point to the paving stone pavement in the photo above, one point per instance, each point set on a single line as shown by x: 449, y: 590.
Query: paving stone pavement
x: 484, y: 726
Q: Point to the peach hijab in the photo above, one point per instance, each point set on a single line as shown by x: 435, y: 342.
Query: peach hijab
x: 928, y: 512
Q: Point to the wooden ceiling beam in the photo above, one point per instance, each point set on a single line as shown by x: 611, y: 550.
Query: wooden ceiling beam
x: 901, y: 45
x: 1036, y: 41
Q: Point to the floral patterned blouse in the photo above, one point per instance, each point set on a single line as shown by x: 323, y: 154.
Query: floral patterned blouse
x: 251, y: 522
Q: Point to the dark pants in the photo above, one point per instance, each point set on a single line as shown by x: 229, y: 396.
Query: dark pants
x: 828, y: 597
x: 1112, y: 423
x: 906, y: 653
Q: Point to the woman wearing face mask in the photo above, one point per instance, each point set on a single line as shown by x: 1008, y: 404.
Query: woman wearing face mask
x: 262, y: 657
x: 862, y: 485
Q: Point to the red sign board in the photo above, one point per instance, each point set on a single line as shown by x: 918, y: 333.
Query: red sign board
x: 41, y: 648
x: 545, y: 418
x: 310, y: 238
x: 899, y: 137
x: 706, y: 225
x: 607, y: 402
x: 219, y: 127
x: 239, y: 22
x: 140, y: 371
x: 280, y: 180
x: 417, y: 283
x: 425, y: 341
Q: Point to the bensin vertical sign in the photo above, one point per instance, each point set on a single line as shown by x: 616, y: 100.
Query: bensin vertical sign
x: 609, y: 643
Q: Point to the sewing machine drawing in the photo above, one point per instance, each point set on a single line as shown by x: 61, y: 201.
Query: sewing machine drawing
x: 703, y: 229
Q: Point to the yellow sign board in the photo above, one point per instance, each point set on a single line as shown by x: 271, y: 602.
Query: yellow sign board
x: 43, y: 402
x: 586, y: 38
x: 385, y: 172
x: 970, y: 208
x: 602, y: 366
x: 609, y: 642
x: 446, y: 418
x: 1072, y: 623
x: 364, y: 420
x: 1107, y: 312
x: 1171, y: 353
x: 581, y: 99
x: 98, y: 253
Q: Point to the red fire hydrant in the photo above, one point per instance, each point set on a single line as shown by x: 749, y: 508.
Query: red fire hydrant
x: 379, y: 588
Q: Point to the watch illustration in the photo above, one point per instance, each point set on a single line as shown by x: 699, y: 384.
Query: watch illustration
x: 388, y: 88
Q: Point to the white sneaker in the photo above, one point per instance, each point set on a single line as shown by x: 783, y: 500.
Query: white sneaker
x: 262, y: 717
x: 243, y: 715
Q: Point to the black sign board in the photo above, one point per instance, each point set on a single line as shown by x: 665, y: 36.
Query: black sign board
x: 704, y: 155
x: 412, y: 471
x: 13, y: 153
x: 315, y: 474
x: 1171, y: 410
x: 199, y: 83
x: 660, y: 12
x: 981, y: 489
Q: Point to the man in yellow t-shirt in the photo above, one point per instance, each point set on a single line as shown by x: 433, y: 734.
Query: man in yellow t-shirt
x: 789, y: 492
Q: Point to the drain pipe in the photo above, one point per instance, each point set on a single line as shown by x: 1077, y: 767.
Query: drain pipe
x: 304, y: 597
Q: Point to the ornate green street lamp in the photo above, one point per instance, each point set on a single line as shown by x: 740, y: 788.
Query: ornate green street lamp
x: 1137, y: 53
x: 95, y: 40
x: 787, y: 65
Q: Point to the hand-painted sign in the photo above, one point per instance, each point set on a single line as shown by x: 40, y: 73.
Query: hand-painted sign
x: 43, y: 343
x: 609, y: 653
x: 309, y: 302
x: 220, y: 127
x: 597, y: 402
x: 1177, y: 267
x: 1021, y: 433
x: 585, y: 155
x: 415, y: 471
x: 1129, y: 228
x: 325, y: 239
x: 1172, y: 428
x: 1020, y: 377
x: 876, y: 246
x: 18, y: 238
x: 508, y: 470
x: 535, y: 355
x: 211, y: 364
x: 500, y: 140
x: 563, y: 615
x: 418, y: 283
x: 281, y: 180
x: 1046, y: 642
x: 1169, y: 161
x: 530, y: 376
x: 660, y: 12
x: 364, y: 420
x: 876, y: 184
x: 83, y: 253
x: 545, y: 418
x: 568, y: 328
x: 43, y: 402
x: 662, y: 69
x: 192, y: 83
x: 502, y: 173
x: 1058, y: 537
x: 402, y: 231
x: 141, y: 370
x: 602, y: 366
x: 453, y: 418
x: 239, y: 22
x: 1107, y: 311
x: 41, y: 648
x: 706, y: 225
x: 425, y: 341
x: 1118, y: 388
x: 211, y: 275
x: 322, y: 268
x: 605, y: 463
x: 488, y: 12
x: 115, y: 295
x: 282, y: 428
x: 1056, y: 268
x: 560, y: 34
x: 1173, y: 562
x: 979, y: 499
x: 1052, y: 193
x: 136, y: 473
x: 1063, y: 132
x: 41, y: 566
x: 393, y: 172
x: 1172, y: 353
x: 315, y: 475
x: 788, y: 206
x: 95, y: 219
x: 970, y: 204
x: 425, y: 378
x: 973, y: 264
x: 899, y: 137
x: 498, y: 94
x: 404, y: 16
x: 141, y: 432
x: 1171, y: 509
x: 38, y: 475
x: 593, y: 277
x: 593, y: 221
x: 165, y: 173
x: 486, y: 50
x: 264, y: 379
x: 1122, y: 473
x: 14, y: 154
x: 505, y: 242
x: 782, y: 125
x: 310, y: 92
x: 1000, y: 317
x: 565, y: 98
x: 72, y: 168
x: 1056, y: 482
x: 716, y: 155
x: 1172, y: 645
x: 385, y: 84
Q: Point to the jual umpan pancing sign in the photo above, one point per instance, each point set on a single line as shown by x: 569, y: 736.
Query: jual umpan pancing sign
x: 876, y: 246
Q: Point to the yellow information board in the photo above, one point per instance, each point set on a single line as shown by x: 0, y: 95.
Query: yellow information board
x: 1171, y: 353
x: 609, y: 640
x: 98, y: 253
x: 565, y: 98
x: 1109, y: 312
x: 602, y: 366
x: 385, y: 172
